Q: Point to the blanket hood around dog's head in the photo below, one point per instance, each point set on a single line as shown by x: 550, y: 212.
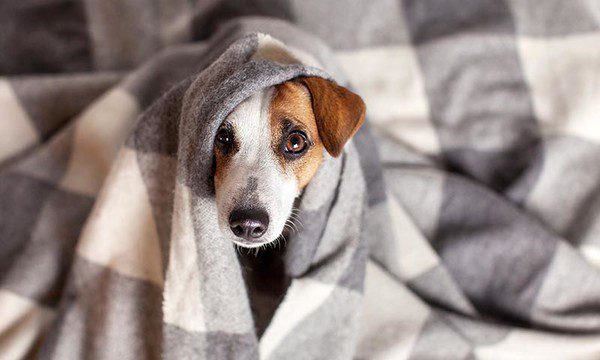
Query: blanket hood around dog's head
x: 249, y: 65
x: 203, y: 286
x: 184, y: 122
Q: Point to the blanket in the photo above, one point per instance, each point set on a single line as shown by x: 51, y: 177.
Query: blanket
x: 462, y: 221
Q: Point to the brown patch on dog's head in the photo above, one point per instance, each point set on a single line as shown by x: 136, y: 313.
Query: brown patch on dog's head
x: 327, y: 113
x: 291, y: 110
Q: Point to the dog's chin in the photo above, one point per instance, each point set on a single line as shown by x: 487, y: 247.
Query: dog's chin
x: 264, y: 240
x: 251, y: 244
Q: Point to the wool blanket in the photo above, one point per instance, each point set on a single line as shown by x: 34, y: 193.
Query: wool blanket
x: 462, y: 221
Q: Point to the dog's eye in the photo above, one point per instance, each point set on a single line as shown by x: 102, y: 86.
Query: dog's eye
x: 224, y: 136
x: 296, y: 143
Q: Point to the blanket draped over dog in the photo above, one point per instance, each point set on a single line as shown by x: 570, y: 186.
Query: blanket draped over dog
x: 462, y: 221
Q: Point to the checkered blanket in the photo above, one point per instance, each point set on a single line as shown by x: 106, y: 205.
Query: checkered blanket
x: 474, y: 233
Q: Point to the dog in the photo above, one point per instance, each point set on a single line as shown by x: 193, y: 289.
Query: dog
x: 269, y: 148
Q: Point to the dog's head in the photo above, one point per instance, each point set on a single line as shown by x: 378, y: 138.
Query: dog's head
x: 269, y: 148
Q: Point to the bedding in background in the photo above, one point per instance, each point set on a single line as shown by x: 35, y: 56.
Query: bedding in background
x: 474, y: 188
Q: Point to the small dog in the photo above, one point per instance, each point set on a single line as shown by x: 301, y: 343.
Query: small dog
x: 269, y: 148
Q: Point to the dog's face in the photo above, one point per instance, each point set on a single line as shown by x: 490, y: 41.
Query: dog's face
x: 269, y: 148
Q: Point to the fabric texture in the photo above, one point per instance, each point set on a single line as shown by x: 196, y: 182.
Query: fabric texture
x: 462, y: 221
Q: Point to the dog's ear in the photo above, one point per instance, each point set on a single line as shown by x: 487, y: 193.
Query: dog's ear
x: 338, y: 111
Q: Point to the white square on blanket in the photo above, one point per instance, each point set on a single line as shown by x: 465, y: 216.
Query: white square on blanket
x: 390, y: 81
x: 564, y: 77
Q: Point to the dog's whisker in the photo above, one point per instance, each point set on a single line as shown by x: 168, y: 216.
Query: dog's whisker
x: 290, y: 225
x: 299, y: 224
x: 240, y: 249
x: 296, y: 218
x: 296, y: 223
x: 278, y: 241
x: 295, y: 227
x: 275, y: 244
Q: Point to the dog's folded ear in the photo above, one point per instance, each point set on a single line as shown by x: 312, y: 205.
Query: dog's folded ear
x: 338, y: 111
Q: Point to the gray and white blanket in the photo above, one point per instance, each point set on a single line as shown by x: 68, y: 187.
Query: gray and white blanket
x: 463, y: 221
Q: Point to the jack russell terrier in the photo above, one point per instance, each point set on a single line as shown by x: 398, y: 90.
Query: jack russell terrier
x: 269, y: 148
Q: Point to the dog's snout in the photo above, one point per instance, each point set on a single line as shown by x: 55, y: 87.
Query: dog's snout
x: 249, y: 224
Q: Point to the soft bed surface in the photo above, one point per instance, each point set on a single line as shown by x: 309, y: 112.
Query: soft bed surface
x: 463, y: 220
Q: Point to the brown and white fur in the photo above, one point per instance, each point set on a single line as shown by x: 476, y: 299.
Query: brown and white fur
x: 257, y: 177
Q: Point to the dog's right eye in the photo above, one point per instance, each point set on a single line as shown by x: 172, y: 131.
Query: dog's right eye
x: 224, y: 136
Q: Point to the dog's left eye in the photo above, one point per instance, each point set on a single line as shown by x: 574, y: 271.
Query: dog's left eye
x: 224, y: 136
x: 296, y: 143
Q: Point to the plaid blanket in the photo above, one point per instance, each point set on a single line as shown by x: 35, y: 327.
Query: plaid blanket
x: 462, y: 222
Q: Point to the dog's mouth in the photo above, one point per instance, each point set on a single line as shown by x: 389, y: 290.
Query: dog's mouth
x: 250, y: 245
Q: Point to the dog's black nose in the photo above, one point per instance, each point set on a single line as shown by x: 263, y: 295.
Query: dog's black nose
x: 249, y: 224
